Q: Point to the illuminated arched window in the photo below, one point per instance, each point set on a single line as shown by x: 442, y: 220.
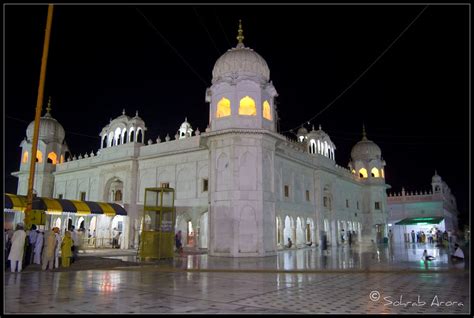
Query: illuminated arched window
x: 62, y: 159
x: 52, y: 158
x: 353, y: 171
x: 25, y: 157
x: 223, y: 108
x: 375, y: 172
x: 39, y: 156
x: 363, y: 173
x: 247, y: 107
x: 382, y: 173
x: 267, y: 112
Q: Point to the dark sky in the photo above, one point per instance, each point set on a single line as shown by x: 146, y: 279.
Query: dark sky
x: 103, y: 58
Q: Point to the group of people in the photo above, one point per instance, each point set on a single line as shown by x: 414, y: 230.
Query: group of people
x: 435, y: 236
x: 40, y: 247
x: 350, y: 236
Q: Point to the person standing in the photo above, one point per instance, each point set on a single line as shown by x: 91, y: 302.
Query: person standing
x: 38, y: 248
x: 30, y: 248
x: 413, y: 236
x: 17, y: 249
x: 349, y: 237
x: 49, y: 250
x: 57, y: 236
x: 178, y: 243
x: 114, y: 237
x: 66, y: 253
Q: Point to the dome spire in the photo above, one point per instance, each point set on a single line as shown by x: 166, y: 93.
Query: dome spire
x: 240, y: 36
x: 364, y: 135
x: 48, y: 108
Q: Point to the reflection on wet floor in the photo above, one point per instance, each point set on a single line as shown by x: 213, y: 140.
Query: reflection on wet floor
x: 374, y: 257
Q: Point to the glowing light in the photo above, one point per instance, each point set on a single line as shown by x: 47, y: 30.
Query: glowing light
x: 53, y: 157
x: 39, y: 156
x: 267, y: 114
x: 25, y: 157
x: 363, y: 173
x: 375, y: 172
x: 247, y: 107
x: 62, y: 159
x: 223, y: 108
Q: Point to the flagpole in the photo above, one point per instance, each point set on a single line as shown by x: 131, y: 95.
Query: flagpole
x: 39, y: 107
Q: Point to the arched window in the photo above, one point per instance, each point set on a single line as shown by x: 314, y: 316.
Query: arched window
x: 375, y: 172
x: 223, y: 108
x: 124, y: 136
x: 118, y: 133
x: 312, y: 146
x: 39, y: 156
x: 111, y: 139
x: 52, y: 158
x: 104, y: 142
x: 118, y: 195
x: 139, y: 135
x: 247, y: 107
x: 132, y: 135
x: 25, y: 157
x: 363, y: 173
x: 267, y: 112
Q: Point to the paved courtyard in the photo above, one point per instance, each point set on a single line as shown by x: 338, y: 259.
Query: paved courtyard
x: 345, y: 280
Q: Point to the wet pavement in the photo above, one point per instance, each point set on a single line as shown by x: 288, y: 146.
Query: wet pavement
x: 371, y: 279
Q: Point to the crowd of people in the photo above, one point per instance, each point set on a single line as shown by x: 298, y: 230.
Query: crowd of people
x: 35, y: 246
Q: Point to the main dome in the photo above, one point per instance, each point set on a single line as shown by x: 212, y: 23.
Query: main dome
x: 50, y: 130
x: 240, y: 60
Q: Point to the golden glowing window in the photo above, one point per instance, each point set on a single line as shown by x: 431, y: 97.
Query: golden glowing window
x: 375, y: 172
x: 363, y: 173
x: 267, y: 113
x: 353, y: 171
x: 39, y: 156
x: 247, y: 107
x: 52, y: 158
x: 62, y: 159
x: 25, y: 157
x: 223, y: 108
x: 382, y: 173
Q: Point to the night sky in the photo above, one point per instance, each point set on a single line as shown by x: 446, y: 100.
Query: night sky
x: 158, y: 60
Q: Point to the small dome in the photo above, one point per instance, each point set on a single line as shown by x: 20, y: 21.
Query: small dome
x: 50, y: 130
x: 319, y: 135
x: 436, y: 178
x: 302, y: 131
x: 365, y: 149
x: 240, y: 60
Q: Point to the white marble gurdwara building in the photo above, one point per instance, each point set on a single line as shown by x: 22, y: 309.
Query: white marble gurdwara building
x: 242, y: 189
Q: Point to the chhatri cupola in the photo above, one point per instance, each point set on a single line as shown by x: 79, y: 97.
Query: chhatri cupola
x: 241, y: 94
x: 123, y: 129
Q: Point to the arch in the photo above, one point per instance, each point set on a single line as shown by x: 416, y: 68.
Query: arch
x: 363, y: 173
x: 39, y: 156
x: 57, y: 223
x: 104, y: 141
x: 118, y: 195
x: 139, y: 135
x: 382, y: 173
x: 80, y: 223
x: 117, y: 135
x: 118, y: 223
x: 223, y: 108
x: 53, y: 157
x: 288, y: 230
x: 309, y: 230
x: 312, y: 146
x: 267, y: 111
x: 132, y: 134
x: 25, y: 157
x: 110, y: 139
x: 247, y: 106
x: 124, y: 136
x: 375, y: 172
x: 299, y: 231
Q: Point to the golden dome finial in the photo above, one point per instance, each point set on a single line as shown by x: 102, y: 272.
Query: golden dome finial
x: 48, y: 108
x: 240, y: 36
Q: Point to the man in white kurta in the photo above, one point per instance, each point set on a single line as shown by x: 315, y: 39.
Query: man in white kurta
x: 17, y: 249
x: 38, y: 248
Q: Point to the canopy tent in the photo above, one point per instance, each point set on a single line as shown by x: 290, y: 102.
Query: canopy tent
x: 17, y: 203
x: 421, y: 220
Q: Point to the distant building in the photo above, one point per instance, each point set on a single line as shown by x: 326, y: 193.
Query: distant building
x: 242, y: 189
x: 423, y: 211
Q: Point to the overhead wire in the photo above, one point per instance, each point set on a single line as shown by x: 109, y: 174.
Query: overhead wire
x: 362, y: 74
x: 171, y: 46
x: 207, y: 31
x: 222, y: 28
